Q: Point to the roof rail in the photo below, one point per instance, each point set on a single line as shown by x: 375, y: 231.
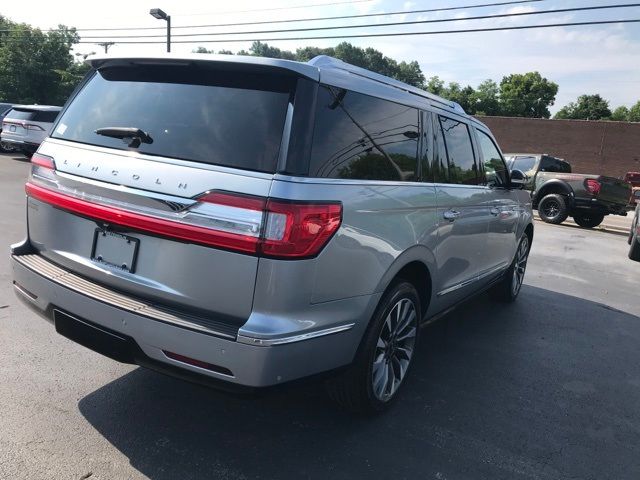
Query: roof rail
x: 325, y: 61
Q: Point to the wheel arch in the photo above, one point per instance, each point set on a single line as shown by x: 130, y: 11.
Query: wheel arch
x: 554, y: 186
x: 415, y: 265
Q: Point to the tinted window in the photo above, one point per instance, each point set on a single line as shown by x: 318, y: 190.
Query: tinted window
x: 461, y: 166
x: 191, y: 113
x: 524, y: 164
x: 495, y: 170
x: 361, y: 137
x: 440, y: 168
x: 427, y: 155
x: 21, y: 114
x: 564, y: 167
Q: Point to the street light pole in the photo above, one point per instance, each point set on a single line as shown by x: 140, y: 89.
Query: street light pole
x: 160, y: 15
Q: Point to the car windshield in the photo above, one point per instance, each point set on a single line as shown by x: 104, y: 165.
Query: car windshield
x: 524, y: 164
x: 188, y: 112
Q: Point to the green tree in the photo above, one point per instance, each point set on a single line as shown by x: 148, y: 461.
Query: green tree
x: 527, y: 95
x: 487, y: 99
x: 587, y: 107
x: 435, y: 85
x: 620, y: 114
x: 37, y: 67
x: 634, y: 113
x: 463, y: 96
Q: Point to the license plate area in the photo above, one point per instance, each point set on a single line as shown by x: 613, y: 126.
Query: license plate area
x: 115, y: 250
x: 12, y: 128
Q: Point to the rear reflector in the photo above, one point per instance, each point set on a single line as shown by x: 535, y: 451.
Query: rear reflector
x: 198, y: 363
x: 240, y: 223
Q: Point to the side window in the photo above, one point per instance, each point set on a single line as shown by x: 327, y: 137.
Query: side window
x: 564, y: 167
x: 461, y: 164
x: 440, y: 168
x: 547, y: 165
x: 361, y: 137
x: 427, y: 154
x: 495, y: 169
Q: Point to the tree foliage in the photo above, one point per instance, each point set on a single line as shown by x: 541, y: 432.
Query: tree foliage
x: 634, y: 113
x: 527, y: 95
x: 37, y: 67
x: 620, y: 114
x: 587, y: 107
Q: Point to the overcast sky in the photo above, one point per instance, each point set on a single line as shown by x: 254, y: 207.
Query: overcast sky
x: 594, y: 59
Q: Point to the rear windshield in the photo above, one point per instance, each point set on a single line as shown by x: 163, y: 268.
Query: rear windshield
x: 191, y: 113
x: 33, y: 115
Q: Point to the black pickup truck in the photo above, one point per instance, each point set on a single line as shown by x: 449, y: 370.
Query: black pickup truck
x: 557, y: 193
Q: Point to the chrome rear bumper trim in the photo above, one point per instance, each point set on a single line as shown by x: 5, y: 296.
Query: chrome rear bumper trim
x: 265, y: 342
x: 62, y: 277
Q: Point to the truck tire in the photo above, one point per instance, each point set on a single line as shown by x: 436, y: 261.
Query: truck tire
x: 371, y: 382
x: 588, y: 220
x: 553, y: 208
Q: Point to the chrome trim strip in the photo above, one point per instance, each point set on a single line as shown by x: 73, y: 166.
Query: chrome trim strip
x: 53, y: 273
x: 27, y: 295
x: 470, y: 281
x: 264, y: 342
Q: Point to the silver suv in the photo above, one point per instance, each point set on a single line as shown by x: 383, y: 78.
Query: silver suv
x: 249, y: 221
x: 24, y: 127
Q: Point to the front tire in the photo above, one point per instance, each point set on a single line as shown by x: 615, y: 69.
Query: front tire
x: 508, y: 288
x: 371, y: 383
x: 588, y: 220
x: 553, y: 208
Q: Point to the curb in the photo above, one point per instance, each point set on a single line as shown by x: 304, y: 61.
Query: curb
x: 601, y: 228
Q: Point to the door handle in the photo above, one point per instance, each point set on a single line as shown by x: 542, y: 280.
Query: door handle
x: 495, y: 211
x: 451, y: 215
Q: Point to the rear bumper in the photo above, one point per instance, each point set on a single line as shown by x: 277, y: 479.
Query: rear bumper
x: 597, y: 205
x: 20, y: 144
x: 248, y: 365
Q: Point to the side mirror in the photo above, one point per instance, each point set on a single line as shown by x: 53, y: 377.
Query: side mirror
x: 518, y: 178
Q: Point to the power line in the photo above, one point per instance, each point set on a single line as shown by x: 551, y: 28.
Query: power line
x: 394, y: 34
x: 389, y: 24
x: 342, y: 17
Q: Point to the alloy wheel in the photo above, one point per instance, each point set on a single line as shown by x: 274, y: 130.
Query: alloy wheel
x: 394, y: 349
x: 522, y: 255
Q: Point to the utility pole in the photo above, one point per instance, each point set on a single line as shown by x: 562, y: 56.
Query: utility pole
x: 106, y: 46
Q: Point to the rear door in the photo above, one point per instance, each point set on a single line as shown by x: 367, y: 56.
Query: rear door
x: 463, y: 212
x: 173, y: 218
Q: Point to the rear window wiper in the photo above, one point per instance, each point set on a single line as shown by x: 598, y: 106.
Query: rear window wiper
x: 132, y: 136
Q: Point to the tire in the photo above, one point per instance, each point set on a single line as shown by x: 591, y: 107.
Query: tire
x: 634, y: 250
x: 27, y: 154
x: 364, y: 387
x: 508, y: 288
x: 589, y: 220
x: 553, y: 208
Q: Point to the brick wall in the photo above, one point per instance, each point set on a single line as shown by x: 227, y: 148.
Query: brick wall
x: 604, y: 148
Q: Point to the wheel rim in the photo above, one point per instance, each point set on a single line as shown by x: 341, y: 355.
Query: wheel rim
x: 551, y: 208
x: 394, y: 349
x: 520, y: 265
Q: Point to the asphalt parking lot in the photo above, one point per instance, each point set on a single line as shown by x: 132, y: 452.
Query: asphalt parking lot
x: 546, y: 388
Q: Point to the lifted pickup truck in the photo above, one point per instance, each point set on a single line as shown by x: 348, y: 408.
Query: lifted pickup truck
x: 557, y: 193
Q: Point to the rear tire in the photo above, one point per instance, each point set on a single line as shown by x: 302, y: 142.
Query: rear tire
x: 589, y: 220
x: 553, y: 208
x: 371, y: 383
x: 508, y: 288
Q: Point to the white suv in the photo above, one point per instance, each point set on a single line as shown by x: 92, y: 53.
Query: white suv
x: 26, y: 126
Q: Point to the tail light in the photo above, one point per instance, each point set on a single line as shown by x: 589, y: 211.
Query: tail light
x: 31, y: 126
x: 242, y: 223
x: 592, y: 186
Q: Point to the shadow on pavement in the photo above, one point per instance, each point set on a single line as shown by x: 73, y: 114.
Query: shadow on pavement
x: 545, y: 388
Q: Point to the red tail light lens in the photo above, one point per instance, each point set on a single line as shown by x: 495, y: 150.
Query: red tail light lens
x: 297, y: 229
x: 43, y: 161
x: 31, y: 126
x: 240, y: 223
x: 592, y: 186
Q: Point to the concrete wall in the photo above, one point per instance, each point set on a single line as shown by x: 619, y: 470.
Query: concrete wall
x: 604, y: 148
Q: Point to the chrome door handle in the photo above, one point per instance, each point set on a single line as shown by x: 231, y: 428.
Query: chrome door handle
x: 495, y: 211
x: 451, y: 215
